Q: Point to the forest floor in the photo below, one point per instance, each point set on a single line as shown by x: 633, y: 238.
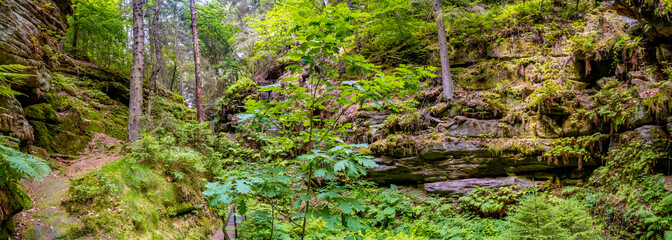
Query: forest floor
x: 48, y: 218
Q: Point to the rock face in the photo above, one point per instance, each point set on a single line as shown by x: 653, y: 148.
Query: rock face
x: 12, y: 121
x: 463, y: 186
x: 54, y: 114
x: 520, y: 101
x: 30, y: 30
x: 448, y: 158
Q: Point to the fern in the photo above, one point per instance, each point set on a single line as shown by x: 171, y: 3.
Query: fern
x: 9, y: 75
x: 15, y: 165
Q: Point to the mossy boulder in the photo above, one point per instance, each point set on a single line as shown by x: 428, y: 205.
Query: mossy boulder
x: 12, y: 200
x: 56, y: 139
x: 43, y: 112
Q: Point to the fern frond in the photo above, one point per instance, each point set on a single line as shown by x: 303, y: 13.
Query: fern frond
x: 24, y: 165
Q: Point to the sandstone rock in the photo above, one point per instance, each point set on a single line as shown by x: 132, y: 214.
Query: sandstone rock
x: 452, y: 159
x: 464, y: 186
x: 650, y: 134
x: 475, y: 128
x: 552, y: 68
x: 458, y: 148
x: 664, y: 53
x: 538, y: 125
x: 30, y: 29
x: 580, y: 128
x: 12, y: 121
x: 40, y: 80
x: 641, y: 115
x: 514, y: 47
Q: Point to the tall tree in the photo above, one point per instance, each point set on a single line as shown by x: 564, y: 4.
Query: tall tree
x: 157, y: 51
x: 197, y: 63
x: 135, y: 103
x: 443, y: 51
x: 177, y: 49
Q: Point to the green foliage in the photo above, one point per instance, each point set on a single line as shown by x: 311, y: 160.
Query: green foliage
x: 625, y: 195
x: 151, y: 192
x: 548, y: 96
x: 584, y: 148
x: 547, y: 217
x: 217, y: 32
x: 301, y: 128
x: 394, y: 31
x: 100, y: 29
x: 493, y: 202
x: 235, y: 96
x: 15, y: 165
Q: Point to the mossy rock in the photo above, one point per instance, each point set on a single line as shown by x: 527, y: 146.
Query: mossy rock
x: 12, y: 201
x: 55, y: 139
x: 43, y: 112
x: 54, y: 224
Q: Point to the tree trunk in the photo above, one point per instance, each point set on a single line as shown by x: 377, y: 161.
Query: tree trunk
x: 75, y: 31
x: 177, y: 51
x: 197, y: 63
x: 135, y: 103
x: 443, y: 51
x: 157, y: 73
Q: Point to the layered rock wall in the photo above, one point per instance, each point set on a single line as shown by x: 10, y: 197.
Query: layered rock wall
x: 521, y: 99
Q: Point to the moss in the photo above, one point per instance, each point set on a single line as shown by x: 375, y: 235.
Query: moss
x: 21, y: 200
x: 43, y: 112
x: 138, y: 203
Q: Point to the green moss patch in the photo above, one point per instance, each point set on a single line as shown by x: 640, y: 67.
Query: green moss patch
x: 127, y: 199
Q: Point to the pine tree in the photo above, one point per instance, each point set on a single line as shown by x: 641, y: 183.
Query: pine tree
x: 135, y: 102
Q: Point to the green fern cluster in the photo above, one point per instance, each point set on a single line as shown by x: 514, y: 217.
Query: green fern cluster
x: 9, y: 75
x: 15, y: 165
x: 548, y: 217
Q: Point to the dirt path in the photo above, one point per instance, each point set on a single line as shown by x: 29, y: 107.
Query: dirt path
x: 48, y: 219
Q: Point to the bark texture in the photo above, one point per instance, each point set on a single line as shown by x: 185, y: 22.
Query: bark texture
x: 197, y: 64
x: 135, y: 103
x: 447, y: 80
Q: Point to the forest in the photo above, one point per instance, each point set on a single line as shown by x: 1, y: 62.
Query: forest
x: 334, y: 119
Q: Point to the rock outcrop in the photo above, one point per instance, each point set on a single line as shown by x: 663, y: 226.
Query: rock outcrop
x: 520, y: 100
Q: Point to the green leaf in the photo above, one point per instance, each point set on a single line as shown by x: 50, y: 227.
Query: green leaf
x: 340, y: 165
x: 242, y: 187
x: 345, y: 207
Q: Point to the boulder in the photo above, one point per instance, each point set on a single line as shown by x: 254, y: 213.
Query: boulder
x: 570, y: 128
x: 641, y: 115
x: 464, y: 186
x: 12, y: 200
x: 12, y: 121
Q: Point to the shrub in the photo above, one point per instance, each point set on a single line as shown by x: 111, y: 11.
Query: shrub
x: 547, y: 217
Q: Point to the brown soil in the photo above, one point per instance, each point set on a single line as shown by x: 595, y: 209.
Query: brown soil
x: 101, y: 149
